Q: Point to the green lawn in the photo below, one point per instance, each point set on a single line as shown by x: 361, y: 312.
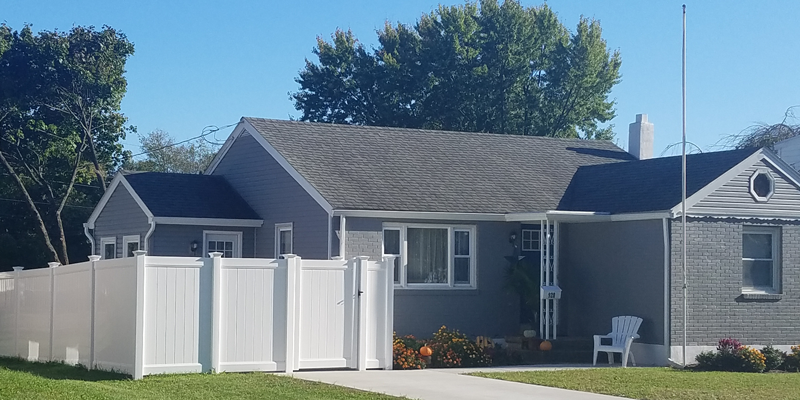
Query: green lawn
x: 665, y: 383
x: 26, y: 380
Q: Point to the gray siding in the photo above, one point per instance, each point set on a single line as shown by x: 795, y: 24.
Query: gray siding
x: 734, y: 197
x: 612, y: 268
x: 716, y: 307
x: 120, y: 217
x: 276, y: 197
x: 789, y: 151
x: 175, y: 240
x: 488, y: 310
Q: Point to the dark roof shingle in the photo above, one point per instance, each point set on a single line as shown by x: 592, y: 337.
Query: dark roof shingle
x: 646, y: 185
x: 189, y: 196
x: 374, y: 168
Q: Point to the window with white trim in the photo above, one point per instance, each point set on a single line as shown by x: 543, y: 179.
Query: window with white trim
x: 761, y: 259
x: 227, y: 243
x: 431, y: 256
x: 283, y: 239
x: 531, y: 240
x: 129, y: 245
x: 108, y: 246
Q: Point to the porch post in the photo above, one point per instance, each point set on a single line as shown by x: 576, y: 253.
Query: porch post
x: 555, y: 278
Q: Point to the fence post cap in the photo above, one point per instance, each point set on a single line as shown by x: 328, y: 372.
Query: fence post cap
x: 363, y: 258
x: 18, y: 268
x: 138, y: 253
x: 337, y: 258
x: 94, y: 257
x: 53, y: 264
x: 289, y: 255
x: 215, y: 254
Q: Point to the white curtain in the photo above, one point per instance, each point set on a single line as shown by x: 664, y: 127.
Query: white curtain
x: 427, y: 255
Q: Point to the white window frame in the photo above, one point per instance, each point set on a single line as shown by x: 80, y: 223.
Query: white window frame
x: 450, y: 285
x: 283, y: 227
x: 776, y: 258
x: 400, y: 275
x: 103, y: 242
x: 237, y: 249
x: 127, y: 240
x: 765, y: 172
x: 535, y: 238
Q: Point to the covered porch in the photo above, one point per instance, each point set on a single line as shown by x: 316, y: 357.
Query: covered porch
x: 594, y: 266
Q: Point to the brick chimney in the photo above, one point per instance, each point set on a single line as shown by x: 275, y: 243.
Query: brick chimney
x: 640, y: 138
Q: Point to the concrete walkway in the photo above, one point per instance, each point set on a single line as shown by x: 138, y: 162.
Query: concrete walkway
x: 438, y: 384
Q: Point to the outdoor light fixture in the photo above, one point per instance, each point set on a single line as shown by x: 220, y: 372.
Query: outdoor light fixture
x: 194, y: 246
x: 513, y: 237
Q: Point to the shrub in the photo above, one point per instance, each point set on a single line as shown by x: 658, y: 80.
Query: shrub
x: 406, y: 353
x: 453, y: 349
x: 750, y: 360
x: 707, y: 361
x: 774, y: 358
x: 792, y: 361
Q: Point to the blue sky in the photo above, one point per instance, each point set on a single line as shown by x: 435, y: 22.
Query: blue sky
x: 200, y: 63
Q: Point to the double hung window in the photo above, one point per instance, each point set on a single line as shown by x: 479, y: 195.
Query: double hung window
x: 761, y: 259
x: 431, y: 256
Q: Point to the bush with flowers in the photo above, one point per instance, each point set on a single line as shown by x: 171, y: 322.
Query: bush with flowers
x: 406, y: 353
x: 452, y: 348
x: 792, y: 361
x: 732, y: 356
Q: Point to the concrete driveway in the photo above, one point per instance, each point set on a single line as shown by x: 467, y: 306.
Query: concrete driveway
x: 438, y: 384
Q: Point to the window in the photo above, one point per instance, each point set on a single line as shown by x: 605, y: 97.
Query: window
x: 129, y: 245
x: 762, y: 185
x: 431, y: 256
x: 227, y: 243
x: 391, y: 247
x: 108, y: 245
x: 283, y: 239
x: 761, y: 259
x: 531, y: 240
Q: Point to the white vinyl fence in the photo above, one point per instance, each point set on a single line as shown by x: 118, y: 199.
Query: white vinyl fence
x: 147, y: 315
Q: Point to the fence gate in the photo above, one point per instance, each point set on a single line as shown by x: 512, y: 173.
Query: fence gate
x: 345, y: 311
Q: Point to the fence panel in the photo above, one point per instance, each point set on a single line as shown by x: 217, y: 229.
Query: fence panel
x: 379, y: 296
x: 322, y: 314
x: 171, y: 309
x: 72, y: 313
x: 8, y: 315
x: 249, y: 300
x: 33, y: 335
x: 115, y: 314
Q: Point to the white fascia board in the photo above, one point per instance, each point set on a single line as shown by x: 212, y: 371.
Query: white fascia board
x: 641, y: 216
x: 245, y: 223
x: 283, y: 162
x: 782, y: 166
x: 721, y: 180
x: 522, y: 217
x: 452, y: 216
x: 745, y: 214
x: 119, y: 178
x: 225, y: 147
x: 585, y: 216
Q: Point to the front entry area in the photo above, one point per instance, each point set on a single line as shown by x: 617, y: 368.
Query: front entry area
x: 227, y: 243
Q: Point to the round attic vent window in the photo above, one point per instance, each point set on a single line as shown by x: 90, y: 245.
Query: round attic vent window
x: 762, y: 185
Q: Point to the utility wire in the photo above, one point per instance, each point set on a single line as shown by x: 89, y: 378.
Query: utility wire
x: 41, y: 202
x: 206, y: 131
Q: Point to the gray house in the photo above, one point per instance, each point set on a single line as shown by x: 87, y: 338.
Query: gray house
x: 459, y: 209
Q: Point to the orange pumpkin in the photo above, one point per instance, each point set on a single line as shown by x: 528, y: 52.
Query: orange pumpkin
x: 425, y: 351
x: 545, y: 346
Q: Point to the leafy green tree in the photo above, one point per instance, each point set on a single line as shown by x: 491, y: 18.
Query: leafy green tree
x: 163, y: 154
x: 486, y: 67
x: 60, y: 120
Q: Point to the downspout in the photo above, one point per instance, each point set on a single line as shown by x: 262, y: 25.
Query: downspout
x: 342, y: 236
x: 148, y: 234
x: 88, y: 236
x: 330, y: 238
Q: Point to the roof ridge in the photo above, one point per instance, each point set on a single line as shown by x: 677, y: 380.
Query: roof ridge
x: 427, y: 131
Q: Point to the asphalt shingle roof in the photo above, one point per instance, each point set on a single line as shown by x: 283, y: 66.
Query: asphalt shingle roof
x: 189, y: 196
x: 374, y: 168
x: 646, y: 185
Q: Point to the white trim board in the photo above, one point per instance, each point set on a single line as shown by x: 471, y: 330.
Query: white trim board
x: 119, y: 178
x: 245, y: 223
x: 246, y: 126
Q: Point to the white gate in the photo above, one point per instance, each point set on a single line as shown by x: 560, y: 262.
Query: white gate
x: 291, y: 314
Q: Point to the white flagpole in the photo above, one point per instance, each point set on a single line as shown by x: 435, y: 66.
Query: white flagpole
x: 683, y: 194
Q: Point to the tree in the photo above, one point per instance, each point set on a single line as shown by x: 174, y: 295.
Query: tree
x: 60, y: 120
x: 486, y: 67
x: 765, y: 135
x: 165, y: 155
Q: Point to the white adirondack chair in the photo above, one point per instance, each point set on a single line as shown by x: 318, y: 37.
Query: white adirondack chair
x: 624, y: 329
